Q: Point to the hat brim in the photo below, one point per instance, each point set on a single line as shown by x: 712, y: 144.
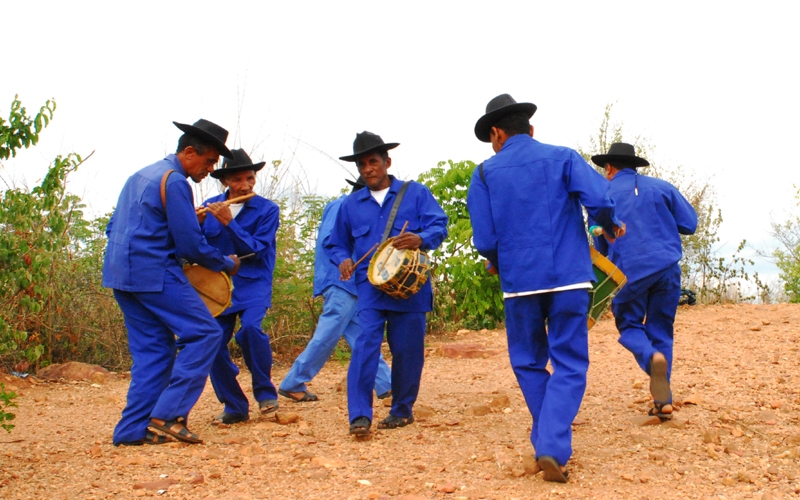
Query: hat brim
x: 484, y: 124
x: 381, y: 147
x: 224, y: 172
x: 627, y: 160
x: 206, y: 137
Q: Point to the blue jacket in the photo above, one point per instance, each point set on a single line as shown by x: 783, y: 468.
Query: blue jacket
x: 654, y: 220
x: 527, y: 218
x: 253, y: 230
x: 144, y: 240
x: 325, y: 273
x: 360, y: 224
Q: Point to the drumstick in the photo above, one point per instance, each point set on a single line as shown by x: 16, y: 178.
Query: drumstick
x: 365, y: 255
x: 228, y: 202
x: 392, y: 249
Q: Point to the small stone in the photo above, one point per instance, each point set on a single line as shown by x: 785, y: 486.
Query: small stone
x: 756, y: 328
x: 765, y: 322
x: 693, y: 399
x: 657, y: 457
x: 676, y: 423
x: 98, y: 378
x: 500, y: 401
x: 773, y: 469
x: 286, y: 418
x: 478, y: 411
x: 161, y: 484
x: 775, y: 405
x: 445, y: 488
x: 728, y: 481
x: 198, y: 479
x: 638, y: 384
x: 236, y: 440
x: 364, y: 482
x: 529, y: 464
x: 328, y: 463
x: 423, y: 411
x: 645, y: 420
x: 645, y: 476
x: 96, y: 451
x: 766, y: 415
x: 711, y: 436
x: 745, y: 477
x: 252, y: 450
x: 627, y: 477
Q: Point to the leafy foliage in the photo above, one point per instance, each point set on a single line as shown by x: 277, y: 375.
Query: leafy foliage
x: 466, y: 294
x: 788, y: 255
x: 6, y: 402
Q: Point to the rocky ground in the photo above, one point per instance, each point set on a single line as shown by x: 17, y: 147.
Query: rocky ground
x: 735, y: 433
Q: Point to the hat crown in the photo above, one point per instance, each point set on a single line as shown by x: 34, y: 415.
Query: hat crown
x: 366, y: 141
x: 212, y: 129
x: 622, y: 149
x: 499, y: 102
x: 240, y: 159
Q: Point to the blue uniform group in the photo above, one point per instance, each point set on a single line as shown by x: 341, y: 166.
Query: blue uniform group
x: 656, y: 215
x: 252, y: 231
x: 142, y: 266
x: 339, y: 315
x: 525, y: 208
x: 359, y: 225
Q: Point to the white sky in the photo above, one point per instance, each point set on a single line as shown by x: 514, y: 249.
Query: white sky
x: 712, y: 84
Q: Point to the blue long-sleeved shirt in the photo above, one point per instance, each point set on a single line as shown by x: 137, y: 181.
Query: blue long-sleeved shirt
x: 527, y: 218
x: 360, y: 224
x: 325, y: 273
x: 145, y: 241
x: 654, y: 220
x: 253, y: 230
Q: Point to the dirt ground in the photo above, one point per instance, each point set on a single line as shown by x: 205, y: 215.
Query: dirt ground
x: 735, y: 433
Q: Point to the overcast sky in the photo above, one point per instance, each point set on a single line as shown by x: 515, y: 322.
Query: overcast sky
x: 714, y: 85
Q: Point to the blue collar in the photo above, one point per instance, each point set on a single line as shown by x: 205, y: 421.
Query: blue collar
x: 176, y: 163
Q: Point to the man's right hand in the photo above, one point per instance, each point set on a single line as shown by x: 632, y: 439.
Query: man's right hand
x: 236, y: 264
x: 346, y: 269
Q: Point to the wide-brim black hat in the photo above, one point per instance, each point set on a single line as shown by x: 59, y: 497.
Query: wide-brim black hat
x: 620, y: 153
x: 240, y: 162
x: 357, y: 184
x: 367, y: 142
x: 497, y: 108
x: 208, y: 132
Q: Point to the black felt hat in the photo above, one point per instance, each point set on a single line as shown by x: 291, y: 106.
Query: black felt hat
x: 357, y: 184
x: 497, y: 108
x: 620, y: 153
x: 239, y: 163
x: 208, y: 132
x: 367, y: 142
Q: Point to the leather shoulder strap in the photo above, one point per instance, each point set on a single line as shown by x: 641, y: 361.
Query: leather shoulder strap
x: 164, y: 188
x: 393, y: 213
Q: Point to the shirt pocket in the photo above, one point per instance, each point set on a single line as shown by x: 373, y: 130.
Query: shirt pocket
x: 360, y: 232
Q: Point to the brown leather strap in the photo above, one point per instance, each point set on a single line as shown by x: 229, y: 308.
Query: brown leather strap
x: 164, y: 188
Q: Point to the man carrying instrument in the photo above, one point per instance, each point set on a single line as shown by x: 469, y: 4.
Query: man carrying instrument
x: 339, y: 317
x: 153, y: 227
x: 248, y: 229
x: 366, y: 218
x: 525, y: 208
x: 644, y: 310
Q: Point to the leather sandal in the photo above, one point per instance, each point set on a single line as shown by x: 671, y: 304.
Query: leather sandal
x: 177, y: 429
x: 149, y: 438
x: 360, y: 426
x: 229, y: 419
x: 268, y: 406
x: 305, y: 398
x: 392, y: 422
x: 552, y: 469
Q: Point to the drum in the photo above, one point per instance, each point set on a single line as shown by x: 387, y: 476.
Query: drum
x: 609, y: 281
x: 399, y: 273
x: 215, y: 288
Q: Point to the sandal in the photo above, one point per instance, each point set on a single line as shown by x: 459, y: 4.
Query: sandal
x: 392, y: 422
x: 552, y: 470
x: 149, y: 438
x: 658, y: 410
x: 268, y: 406
x: 229, y: 419
x: 385, y: 395
x: 177, y: 429
x: 659, y: 387
x: 307, y: 396
x: 360, y: 426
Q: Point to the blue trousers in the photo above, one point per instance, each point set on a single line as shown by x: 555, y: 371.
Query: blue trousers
x: 405, y: 332
x: 339, y: 317
x: 257, y: 355
x: 165, y: 383
x: 553, y: 400
x: 646, y: 322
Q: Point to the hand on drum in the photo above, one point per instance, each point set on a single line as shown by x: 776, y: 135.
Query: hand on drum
x: 221, y: 211
x: 618, y: 232
x: 407, y: 241
x: 346, y: 269
x: 236, y: 265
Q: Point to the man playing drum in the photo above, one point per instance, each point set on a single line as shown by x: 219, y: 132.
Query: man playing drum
x: 339, y: 317
x: 525, y: 208
x: 247, y: 229
x: 656, y: 215
x: 146, y: 241
x: 360, y: 224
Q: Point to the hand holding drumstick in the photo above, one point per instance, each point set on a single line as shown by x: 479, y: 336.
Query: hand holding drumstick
x: 402, y: 241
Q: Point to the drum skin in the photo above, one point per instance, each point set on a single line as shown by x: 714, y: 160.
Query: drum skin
x: 398, y: 273
x: 215, y: 288
x: 609, y: 281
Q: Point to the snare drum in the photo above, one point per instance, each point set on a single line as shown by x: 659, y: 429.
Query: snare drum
x: 399, y: 273
x: 609, y: 281
x: 215, y: 288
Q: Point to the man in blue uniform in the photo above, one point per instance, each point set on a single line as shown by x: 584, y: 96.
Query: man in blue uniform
x: 360, y: 224
x: 339, y: 317
x: 247, y: 228
x: 656, y: 215
x: 153, y: 227
x: 525, y: 208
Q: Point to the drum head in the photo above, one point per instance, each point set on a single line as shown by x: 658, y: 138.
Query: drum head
x: 215, y: 288
x: 386, y: 263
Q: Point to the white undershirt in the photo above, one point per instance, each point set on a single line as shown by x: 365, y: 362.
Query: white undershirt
x: 235, y: 208
x: 379, y: 195
x: 576, y: 286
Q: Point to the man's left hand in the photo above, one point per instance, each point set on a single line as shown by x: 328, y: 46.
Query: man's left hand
x: 408, y: 241
x: 221, y: 212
